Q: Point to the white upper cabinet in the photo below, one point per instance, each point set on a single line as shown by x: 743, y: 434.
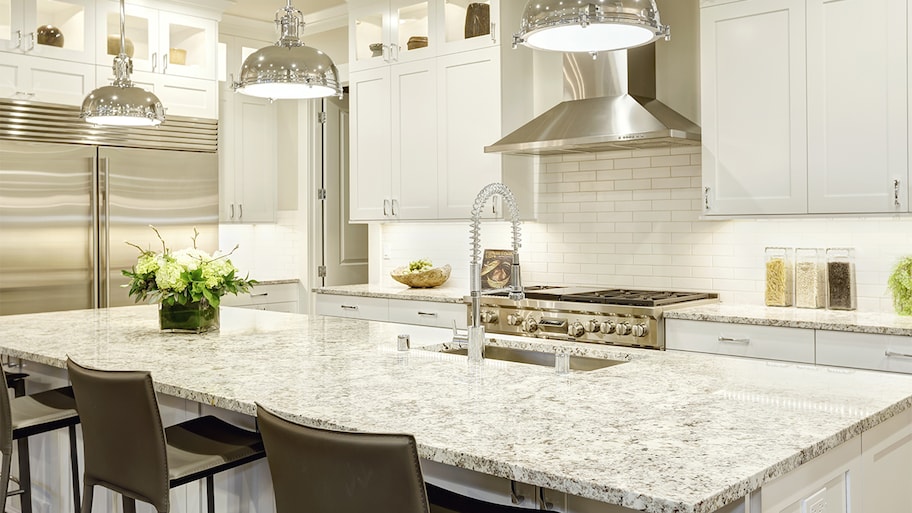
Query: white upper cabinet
x: 60, y: 29
x: 25, y: 77
x: 382, y: 33
x: 163, y: 42
x: 754, y: 107
x: 857, y: 106
x: 371, y: 145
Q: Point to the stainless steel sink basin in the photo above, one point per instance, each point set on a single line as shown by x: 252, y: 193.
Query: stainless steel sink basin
x: 510, y: 354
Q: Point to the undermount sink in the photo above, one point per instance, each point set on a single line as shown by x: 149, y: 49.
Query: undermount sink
x: 545, y: 359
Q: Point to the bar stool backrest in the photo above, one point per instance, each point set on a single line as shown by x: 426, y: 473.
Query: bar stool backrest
x: 6, y: 418
x: 123, y: 437
x: 323, y: 471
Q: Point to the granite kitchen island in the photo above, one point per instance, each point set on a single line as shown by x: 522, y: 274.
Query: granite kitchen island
x: 661, y: 432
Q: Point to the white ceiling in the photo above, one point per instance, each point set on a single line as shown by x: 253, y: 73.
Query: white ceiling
x: 265, y: 9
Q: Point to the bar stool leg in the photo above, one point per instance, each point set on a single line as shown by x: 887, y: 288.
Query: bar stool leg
x: 5, y: 477
x: 210, y: 494
x: 25, y: 475
x: 74, y: 468
x: 129, y: 505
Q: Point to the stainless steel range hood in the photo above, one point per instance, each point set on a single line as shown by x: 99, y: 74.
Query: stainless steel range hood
x: 609, y: 105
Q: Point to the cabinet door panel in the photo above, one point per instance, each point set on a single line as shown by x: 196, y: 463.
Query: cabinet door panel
x: 887, y: 465
x: 470, y: 118
x: 414, y: 140
x: 255, y: 189
x: 754, y: 97
x: 857, y: 133
x: 370, y: 144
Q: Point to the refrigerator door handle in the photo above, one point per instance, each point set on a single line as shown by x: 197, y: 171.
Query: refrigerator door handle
x: 104, y: 215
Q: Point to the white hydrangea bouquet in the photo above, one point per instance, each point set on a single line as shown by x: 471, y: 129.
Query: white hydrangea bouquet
x: 187, y: 283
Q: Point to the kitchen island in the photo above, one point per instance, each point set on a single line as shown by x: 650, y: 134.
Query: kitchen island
x: 661, y: 432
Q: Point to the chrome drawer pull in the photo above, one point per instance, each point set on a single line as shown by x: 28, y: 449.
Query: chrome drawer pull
x: 349, y: 307
x: 735, y: 340
x: 260, y: 295
x: 427, y: 314
x: 889, y: 354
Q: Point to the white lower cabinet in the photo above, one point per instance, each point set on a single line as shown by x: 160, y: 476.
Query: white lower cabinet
x: 768, y: 342
x: 283, y: 297
x: 403, y: 311
x: 886, y: 465
x: 865, y: 351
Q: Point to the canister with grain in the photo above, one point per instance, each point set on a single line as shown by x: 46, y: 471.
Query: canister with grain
x: 840, y: 279
x: 810, y: 278
x: 779, y: 272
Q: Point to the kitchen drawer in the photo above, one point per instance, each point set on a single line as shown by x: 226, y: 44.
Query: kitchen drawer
x: 767, y: 342
x: 428, y: 313
x: 285, y: 307
x: 264, y: 294
x: 865, y: 351
x: 355, y: 307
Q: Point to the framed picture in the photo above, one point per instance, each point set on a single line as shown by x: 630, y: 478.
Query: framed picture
x: 495, y: 268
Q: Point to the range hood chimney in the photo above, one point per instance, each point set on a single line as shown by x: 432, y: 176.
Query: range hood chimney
x: 610, y: 104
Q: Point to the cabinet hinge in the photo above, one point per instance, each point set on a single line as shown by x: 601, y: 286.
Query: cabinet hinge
x: 321, y: 271
x: 321, y: 194
x: 321, y: 118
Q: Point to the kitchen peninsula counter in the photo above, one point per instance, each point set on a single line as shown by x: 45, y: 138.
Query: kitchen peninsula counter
x: 662, y: 432
x: 834, y: 320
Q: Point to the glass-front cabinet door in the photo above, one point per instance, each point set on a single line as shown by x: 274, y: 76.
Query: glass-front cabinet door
x: 61, y: 29
x: 469, y: 24
x: 160, y: 41
x: 389, y: 32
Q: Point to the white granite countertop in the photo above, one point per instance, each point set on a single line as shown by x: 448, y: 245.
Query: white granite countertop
x: 446, y: 293
x: 834, y: 320
x: 664, y: 432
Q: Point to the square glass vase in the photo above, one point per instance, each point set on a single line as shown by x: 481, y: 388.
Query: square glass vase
x: 197, y: 317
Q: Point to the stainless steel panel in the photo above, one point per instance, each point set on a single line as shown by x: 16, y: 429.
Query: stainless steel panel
x: 174, y: 191
x: 45, y: 227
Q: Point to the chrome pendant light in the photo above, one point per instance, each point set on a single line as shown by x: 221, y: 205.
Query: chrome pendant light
x: 589, y: 26
x: 289, y: 69
x: 122, y: 103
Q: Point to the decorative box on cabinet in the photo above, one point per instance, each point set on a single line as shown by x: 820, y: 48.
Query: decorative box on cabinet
x: 768, y: 342
x: 164, y: 42
x: 20, y: 21
x: 422, y: 125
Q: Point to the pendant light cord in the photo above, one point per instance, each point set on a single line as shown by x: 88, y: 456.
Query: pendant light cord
x: 123, y: 16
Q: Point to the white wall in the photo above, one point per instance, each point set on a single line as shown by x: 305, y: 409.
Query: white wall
x: 632, y: 219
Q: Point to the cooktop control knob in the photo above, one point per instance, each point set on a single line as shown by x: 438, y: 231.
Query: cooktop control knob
x: 592, y: 326
x: 530, y: 325
x: 640, y: 330
x: 514, y: 319
x: 622, y: 328
x: 576, y: 329
x: 607, y: 327
x: 488, y: 316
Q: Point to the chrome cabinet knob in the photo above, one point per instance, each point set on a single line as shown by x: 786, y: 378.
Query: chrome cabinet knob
x: 576, y: 330
x: 530, y: 325
x: 640, y: 330
x: 622, y: 328
x: 607, y: 327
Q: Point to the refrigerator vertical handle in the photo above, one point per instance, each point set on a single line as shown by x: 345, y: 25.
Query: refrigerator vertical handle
x: 104, y: 216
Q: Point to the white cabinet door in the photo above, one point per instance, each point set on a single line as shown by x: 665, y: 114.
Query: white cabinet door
x: 865, y: 351
x: 767, y: 342
x: 27, y: 27
x: 428, y: 313
x: 886, y: 465
x: 857, y: 116
x: 354, y: 307
x: 754, y: 107
x: 371, y: 144
x: 469, y: 110
x: 181, y: 96
x: 26, y: 77
x: 454, y: 22
x: 414, y: 140
x: 255, y: 158
x: 389, y: 25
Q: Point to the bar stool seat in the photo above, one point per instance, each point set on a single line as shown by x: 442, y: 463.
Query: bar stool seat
x: 127, y: 449
x: 28, y: 415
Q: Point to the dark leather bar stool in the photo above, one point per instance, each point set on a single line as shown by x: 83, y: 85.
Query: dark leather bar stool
x: 127, y: 449
x: 324, y: 471
x: 27, y: 415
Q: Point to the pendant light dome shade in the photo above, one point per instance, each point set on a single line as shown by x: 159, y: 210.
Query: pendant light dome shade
x: 122, y: 103
x: 289, y: 69
x: 581, y: 26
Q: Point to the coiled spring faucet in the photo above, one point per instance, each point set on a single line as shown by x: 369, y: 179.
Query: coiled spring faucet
x: 476, y: 333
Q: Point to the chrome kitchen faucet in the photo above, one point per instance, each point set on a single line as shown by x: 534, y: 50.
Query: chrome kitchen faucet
x: 476, y: 333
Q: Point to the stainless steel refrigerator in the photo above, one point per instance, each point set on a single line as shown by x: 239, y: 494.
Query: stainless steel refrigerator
x: 71, y: 195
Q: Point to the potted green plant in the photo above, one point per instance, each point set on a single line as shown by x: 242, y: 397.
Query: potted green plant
x: 900, y: 283
x: 187, y: 284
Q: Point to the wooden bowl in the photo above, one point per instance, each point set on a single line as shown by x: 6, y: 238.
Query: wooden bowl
x: 427, y: 278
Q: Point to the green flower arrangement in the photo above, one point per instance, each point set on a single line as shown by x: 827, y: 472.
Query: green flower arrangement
x: 900, y: 283
x: 185, y: 276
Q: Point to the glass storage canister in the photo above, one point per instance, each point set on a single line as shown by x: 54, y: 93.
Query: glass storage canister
x: 779, y: 271
x: 810, y: 278
x: 840, y: 278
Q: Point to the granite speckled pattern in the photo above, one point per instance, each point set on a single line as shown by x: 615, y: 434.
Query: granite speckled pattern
x: 278, y: 282
x: 664, y: 432
x: 833, y: 320
x: 446, y: 293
